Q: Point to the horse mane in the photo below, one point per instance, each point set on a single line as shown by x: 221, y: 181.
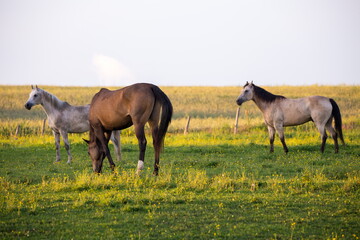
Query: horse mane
x: 265, y: 95
x: 57, y: 103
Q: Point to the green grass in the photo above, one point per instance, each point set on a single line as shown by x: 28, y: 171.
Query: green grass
x: 215, y: 188
x: 212, y: 184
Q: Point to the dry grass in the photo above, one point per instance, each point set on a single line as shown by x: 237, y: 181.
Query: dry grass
x: 211, y: 108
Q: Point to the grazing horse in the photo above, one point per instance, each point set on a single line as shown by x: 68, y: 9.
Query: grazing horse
x: 64, y: 118
x: 132, y: 105
x: 279, y: 112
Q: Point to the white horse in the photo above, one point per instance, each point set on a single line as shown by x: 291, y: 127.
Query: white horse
x: 64, y: 118
x: 279, y: 112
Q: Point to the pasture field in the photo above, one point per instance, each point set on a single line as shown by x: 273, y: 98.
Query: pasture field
x: 212, y: 184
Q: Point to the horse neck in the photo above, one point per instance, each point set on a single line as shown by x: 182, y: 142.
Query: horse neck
x: 51, y: 103
x: 264, y: 99
x: 260, y: 103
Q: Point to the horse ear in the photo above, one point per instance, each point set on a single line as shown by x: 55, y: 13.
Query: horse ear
x: 252, y: 82
x: 87, y: 141
x: 32, y: 87
x: 37, y: 87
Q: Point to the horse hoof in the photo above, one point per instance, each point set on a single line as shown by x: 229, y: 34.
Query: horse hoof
x: 112, y: 168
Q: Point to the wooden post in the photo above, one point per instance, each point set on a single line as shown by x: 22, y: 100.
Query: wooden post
x: 247, y: 118
x: 236, y: 120
x: 186, y: 130
x: 43, y: 127
x: 17, y: 131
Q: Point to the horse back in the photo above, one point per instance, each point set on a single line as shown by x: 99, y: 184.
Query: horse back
x: 300, y: 110
x: 119, y: 109
x: 73, y: 119
x: 123, y: 99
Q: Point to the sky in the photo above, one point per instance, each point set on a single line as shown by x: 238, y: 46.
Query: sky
x: 179, y: 42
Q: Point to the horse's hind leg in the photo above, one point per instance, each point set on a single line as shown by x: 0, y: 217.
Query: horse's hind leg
x: 57, y: 145
x: 115, y: 138
x: 157, y: 147
x: 140, y: 135
x: 280, y: 130
x: 157, y: 140
x: 333, y: 134
x: 321, y: 128
x: 64, y: 135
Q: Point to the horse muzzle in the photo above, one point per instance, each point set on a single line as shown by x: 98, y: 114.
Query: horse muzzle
x: 239, y: 101
x: 28, y: 106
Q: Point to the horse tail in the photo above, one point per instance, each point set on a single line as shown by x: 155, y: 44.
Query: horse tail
x: 166, y: 114
x: 337, y: 117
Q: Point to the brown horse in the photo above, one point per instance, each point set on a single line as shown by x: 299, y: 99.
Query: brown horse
x: 133, y: 105
x: 279, y: 112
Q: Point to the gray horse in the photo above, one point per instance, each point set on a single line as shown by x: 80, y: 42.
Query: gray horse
x: 280, y: 112
x: 64, y: 118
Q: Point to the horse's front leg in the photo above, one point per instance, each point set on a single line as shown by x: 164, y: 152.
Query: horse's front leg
x: 271, y: 137
x: 105, y: 145
x: 64, y: 135
x: 140, y: 135
x: 57, y: 145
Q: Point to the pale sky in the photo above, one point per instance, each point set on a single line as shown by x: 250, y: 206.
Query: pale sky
x: 179, y: 43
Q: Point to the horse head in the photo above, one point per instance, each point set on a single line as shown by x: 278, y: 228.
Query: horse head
x: 246, y: 94
x: 35, y: 97
x: 96, y: 154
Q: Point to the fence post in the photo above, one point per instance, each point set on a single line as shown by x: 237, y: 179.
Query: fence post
x: 236, y: 120
x: 186, y: 130
x: 43, y: 127
x: 17, y: 131
x: 247, y: 117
